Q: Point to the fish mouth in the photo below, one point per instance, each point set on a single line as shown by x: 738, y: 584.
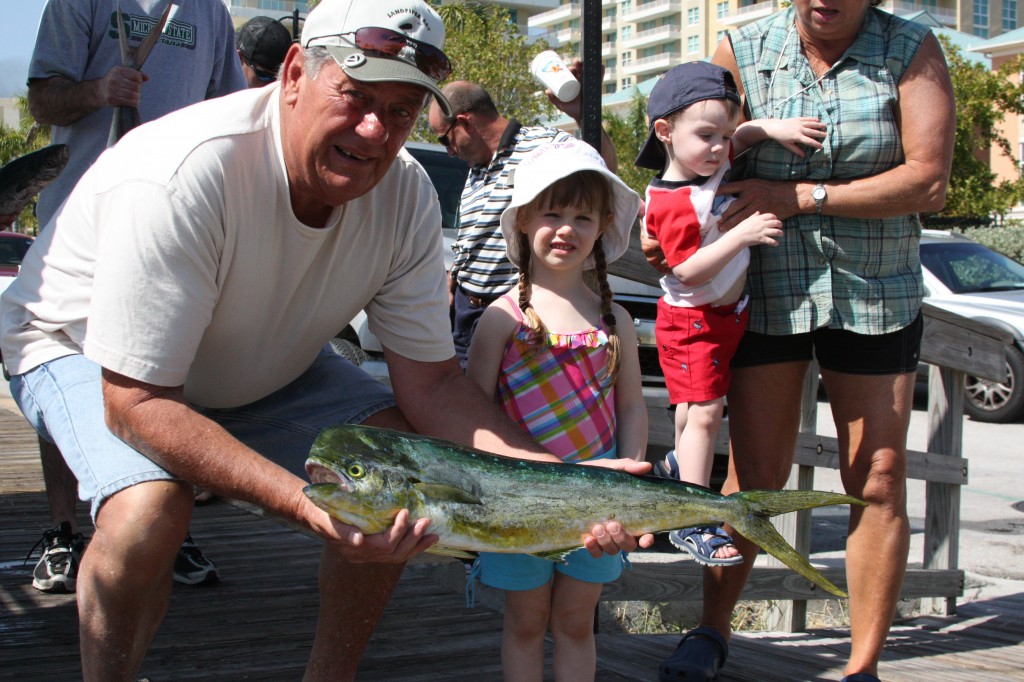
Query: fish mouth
x: 319, y: 473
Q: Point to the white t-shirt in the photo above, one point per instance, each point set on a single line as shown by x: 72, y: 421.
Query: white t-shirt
x: 192, y: 269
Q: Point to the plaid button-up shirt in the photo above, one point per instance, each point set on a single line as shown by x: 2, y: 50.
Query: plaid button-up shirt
x: 857, y: 274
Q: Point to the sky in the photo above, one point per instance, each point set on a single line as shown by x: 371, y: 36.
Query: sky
x: 20, y: 21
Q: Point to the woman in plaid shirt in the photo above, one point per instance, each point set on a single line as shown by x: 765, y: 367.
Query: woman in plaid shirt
x: 844, y: 284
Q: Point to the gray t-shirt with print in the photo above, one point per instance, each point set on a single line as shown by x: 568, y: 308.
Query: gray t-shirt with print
x: 194, y: 60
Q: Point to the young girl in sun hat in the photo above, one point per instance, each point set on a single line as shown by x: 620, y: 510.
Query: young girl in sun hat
x: 561, y: 359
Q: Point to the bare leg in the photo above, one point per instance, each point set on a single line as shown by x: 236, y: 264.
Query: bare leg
x: 124, y: 581
x: 522, y: 637
x: 61, y: 485
x: 697, y: 426
x: 352, y: 600
x: 764, y: 418
x: 572, y: 627
x: 352, y: 597
x: 872, y: 414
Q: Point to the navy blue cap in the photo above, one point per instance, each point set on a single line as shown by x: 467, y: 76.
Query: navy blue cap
x: 682, y: 86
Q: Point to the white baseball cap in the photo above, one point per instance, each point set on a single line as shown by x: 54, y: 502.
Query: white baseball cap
x: 382, y: 40
x: 550, y: 163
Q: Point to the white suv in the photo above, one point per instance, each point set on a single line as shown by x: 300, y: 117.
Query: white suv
x: 967, y: 278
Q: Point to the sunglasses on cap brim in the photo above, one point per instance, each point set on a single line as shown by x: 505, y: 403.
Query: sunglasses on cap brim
x: 375, y: 41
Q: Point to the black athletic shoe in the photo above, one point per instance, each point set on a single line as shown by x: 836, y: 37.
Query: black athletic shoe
x: 191, y: 567
x: 57, y: 569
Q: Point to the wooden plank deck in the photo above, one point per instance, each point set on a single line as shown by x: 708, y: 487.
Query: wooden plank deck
x: 258, y: 623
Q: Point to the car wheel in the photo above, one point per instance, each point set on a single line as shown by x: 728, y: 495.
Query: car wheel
x: 995, y: 401
x: 349, y: 351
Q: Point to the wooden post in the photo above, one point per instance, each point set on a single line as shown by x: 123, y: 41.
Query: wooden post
x: 942, y: 500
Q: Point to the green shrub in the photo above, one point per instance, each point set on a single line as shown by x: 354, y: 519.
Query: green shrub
x: 1007, y: 238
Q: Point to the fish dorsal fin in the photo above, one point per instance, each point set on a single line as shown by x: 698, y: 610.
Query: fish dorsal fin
x: 446, y: 493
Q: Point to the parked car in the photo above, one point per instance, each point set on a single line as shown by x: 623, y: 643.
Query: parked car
x: 13, y: 247
x: 448, y: 174
x: 972, y: 280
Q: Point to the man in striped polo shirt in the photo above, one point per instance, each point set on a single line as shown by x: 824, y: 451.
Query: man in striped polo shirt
x: 492, y: 146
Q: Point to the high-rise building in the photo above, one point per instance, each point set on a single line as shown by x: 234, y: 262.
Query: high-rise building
x: 283, y: 10
x: 641, y: 40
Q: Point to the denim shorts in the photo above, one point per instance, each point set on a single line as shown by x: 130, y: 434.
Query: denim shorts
x: 62, y: 399
x: 525, y: 572
x: 837, y: 350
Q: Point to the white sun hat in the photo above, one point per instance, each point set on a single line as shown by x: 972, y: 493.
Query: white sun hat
x: 550, y: 163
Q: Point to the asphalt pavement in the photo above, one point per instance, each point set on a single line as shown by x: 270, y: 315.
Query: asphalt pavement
x: 991, y: 505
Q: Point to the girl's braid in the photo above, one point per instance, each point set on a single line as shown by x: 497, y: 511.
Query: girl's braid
x: 607, y: 316
x: 530, y: 317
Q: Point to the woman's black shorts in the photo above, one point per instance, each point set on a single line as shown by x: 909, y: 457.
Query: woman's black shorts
x: 837, y: 350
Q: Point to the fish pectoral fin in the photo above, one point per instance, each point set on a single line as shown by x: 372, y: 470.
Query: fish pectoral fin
x: 556, y: 554
x: 452, y: 552
x: 446, y: 493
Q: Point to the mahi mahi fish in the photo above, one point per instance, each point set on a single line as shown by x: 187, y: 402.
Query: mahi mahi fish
x: 477, y: 501
x: 27, y: 175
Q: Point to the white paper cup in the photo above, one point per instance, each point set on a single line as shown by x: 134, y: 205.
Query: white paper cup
x: 549, y: 69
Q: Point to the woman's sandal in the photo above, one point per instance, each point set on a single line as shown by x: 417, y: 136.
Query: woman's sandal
x: 860, y: 677
x: 699, y: 656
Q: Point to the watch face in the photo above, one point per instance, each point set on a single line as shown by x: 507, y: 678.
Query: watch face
x: 818, y: 193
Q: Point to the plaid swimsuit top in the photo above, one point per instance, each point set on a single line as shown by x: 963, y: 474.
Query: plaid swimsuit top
x: 555, y: 391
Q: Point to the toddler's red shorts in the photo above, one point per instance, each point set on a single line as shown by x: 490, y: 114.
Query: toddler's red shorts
x: 695, y: 347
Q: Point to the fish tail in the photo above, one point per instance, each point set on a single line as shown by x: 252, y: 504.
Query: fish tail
x: 775, y: 502
x: 754, y: 524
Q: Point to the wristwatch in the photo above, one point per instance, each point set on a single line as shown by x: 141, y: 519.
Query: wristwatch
x: 819, y: 195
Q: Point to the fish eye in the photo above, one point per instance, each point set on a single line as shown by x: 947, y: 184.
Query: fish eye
x: 356, y: 470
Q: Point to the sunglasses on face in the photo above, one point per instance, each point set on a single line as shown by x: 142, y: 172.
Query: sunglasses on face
x: 261, y: 75
x: 445, y: 139
x: 384, y: 42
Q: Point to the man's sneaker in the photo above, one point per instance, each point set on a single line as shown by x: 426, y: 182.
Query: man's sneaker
x: 191, y: 567
x: 57, y: 569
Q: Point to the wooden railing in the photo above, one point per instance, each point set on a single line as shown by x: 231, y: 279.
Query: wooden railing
x: 954, y: 346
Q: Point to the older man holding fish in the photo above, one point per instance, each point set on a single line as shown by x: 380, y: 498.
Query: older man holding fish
x: 172, y: 327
